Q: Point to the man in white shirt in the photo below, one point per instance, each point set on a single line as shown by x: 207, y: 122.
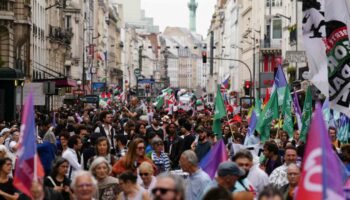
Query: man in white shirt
x: 71, y: 154
x: 278, y: 177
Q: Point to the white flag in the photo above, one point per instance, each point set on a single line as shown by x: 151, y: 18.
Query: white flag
x: 314, y: 33
x: 338, y: 52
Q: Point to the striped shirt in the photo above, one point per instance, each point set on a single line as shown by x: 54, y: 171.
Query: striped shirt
x: 162, y: 162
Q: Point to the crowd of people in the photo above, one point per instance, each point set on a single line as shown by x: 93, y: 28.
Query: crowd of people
x: 118, y: 153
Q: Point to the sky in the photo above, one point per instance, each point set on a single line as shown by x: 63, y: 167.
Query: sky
x: 176, y: 13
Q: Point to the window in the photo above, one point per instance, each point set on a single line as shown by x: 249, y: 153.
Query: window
x: 68, y: 21
x: 277, y: 29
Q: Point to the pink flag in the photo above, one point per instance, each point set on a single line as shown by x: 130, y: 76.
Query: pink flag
x: 321, y: 176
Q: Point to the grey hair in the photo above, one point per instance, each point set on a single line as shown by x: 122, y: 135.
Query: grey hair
x: 147, y: 166
x: 80, y: 173
x: 293, y: 166
x: 178, y: 180
x: 98, y: 161
x: 191, y: 157
x: 156, y: 140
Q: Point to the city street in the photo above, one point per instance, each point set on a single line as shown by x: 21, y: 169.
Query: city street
x: 174, y: 99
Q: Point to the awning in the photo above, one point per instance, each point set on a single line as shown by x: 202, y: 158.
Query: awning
x: 7, y: 73
x: 60, y: 82
x: 65, y: 83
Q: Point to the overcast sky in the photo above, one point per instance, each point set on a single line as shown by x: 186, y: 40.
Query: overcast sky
x: 175, y: 13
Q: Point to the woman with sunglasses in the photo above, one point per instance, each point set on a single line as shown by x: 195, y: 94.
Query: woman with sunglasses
x: 103, y: 149
x: 131, y: 190
x: 7, y: 190
x: 108, y: 187
x: 58, y: 179
x: 146, y: 174
x: 134, y: 157
x: 159, y: 158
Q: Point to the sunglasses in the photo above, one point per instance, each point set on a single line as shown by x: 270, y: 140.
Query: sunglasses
x: 140, y: 148
x: 162, y: 190
x: 143, y: 174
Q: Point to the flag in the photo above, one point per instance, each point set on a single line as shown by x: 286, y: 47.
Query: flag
x: 306, y: 117
x: 314, y: 33
x: 287, y: 113
x: 280, y: 84
x: 297, y: 110
x: 28, y: 165
x: 251, y: 127
x: 100, y: 56
x: 326, y: 112
x: 219, y: 113
x: 337, y: 48
x: 343, y: 129
x: 213, y: 158
x: 226, y: 82
x: 267, y: 96
x: 269, y: 113
x: 159, y: 102
x: 321, y: 177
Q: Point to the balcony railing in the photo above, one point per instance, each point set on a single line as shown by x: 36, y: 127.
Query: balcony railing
x: 60, y: 34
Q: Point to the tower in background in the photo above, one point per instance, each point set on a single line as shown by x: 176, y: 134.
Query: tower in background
x: 192, y: 6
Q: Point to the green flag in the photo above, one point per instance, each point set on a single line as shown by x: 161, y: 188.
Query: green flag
x: 269, y: 113
x: 159, y: 102
x: 287, y: 113
x: 257, y: 107
x: 220, y: 112
x: 306, y: 116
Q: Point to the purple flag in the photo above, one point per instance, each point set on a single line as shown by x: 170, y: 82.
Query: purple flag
x: 297, y: 110
x: 251, y: 127
x: 214, y: 157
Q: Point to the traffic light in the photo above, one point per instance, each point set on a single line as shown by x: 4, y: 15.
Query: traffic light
x: 247, y: 87
x: 204, y: 56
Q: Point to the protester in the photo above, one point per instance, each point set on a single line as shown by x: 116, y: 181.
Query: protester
x: 40, y: 192
x: 332, y: 131
x: 270, y: 192
x: 7, y: 190
x: 244, y: 160
x: 134, y: 157
x: 72, y: 155
x: 203, y: 146
x: 84, y: 185
x: 159, y: 158
x: 108, y: 186
x: 130, y: 189
x: 218, y: 193
x: 169, y: 187
x: 273, y: 159
x: 187, y: 135
x: 58, y: 179
x: 227, y: 175
x: 293, y: 176
x: 146, y: 174
x: 155, y: 128
x: 103, y: 150
x: 278, y: 177
x: 173, y: 145
x: 106, y: 129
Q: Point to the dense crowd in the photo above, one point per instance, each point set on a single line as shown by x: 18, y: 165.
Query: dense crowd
x: 123, y: 152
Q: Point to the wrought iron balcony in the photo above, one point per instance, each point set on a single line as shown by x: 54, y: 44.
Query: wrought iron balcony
x: 60, y: 34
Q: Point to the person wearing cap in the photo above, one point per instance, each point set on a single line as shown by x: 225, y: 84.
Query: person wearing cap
x: 202, y: 147
x: 198, y: 179
x: 154, y: 127
x: 227, y: 175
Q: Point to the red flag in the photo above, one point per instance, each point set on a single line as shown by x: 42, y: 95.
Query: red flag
x: 28, y: 166
x: 267, y: 96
